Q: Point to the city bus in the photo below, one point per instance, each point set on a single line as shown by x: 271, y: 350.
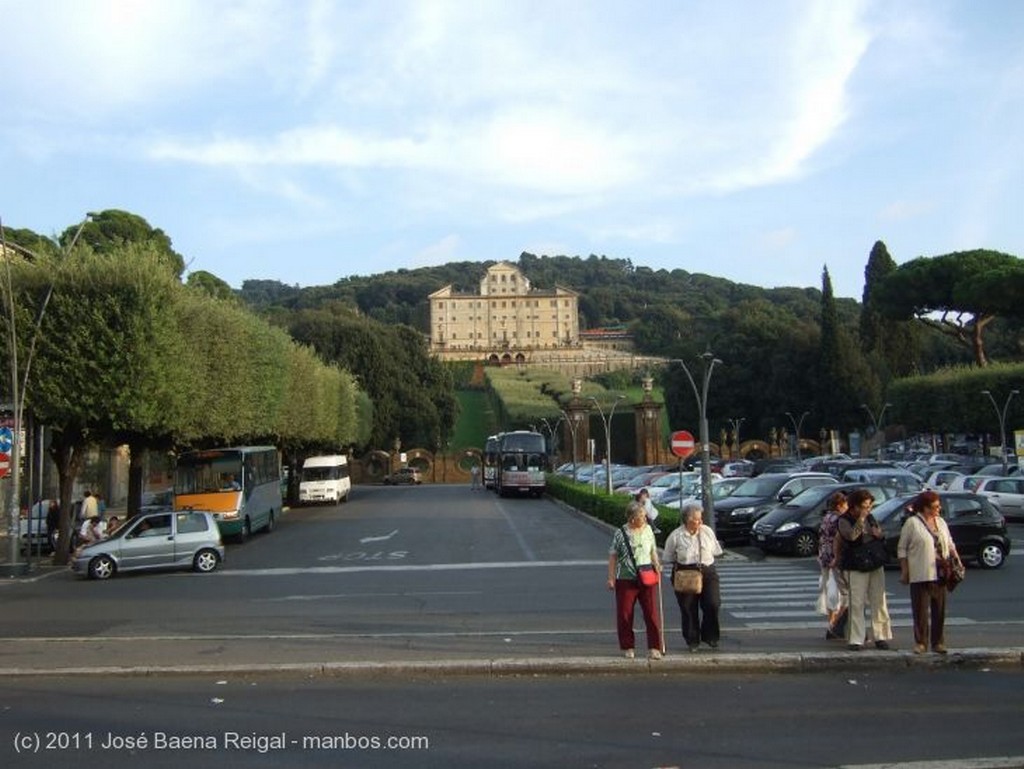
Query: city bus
x: 522, y: 463
x: 240, y: 485
x: 491, y: 461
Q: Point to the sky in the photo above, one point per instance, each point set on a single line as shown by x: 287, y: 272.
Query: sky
x: 307, y: 141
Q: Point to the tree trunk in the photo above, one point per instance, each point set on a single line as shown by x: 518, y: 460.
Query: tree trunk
x: 68, y: 455
x: 136, y: 469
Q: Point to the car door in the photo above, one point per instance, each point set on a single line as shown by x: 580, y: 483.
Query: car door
x: 192, y: 530
x: 1007, y: 494
x: 149, y: 543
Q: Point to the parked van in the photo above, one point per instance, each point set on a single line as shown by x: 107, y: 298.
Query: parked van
x: 325, y: 479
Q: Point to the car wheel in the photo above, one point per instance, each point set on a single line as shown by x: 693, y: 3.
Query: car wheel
x: 991, y: 556
x: 205, y: 561
x: 805, y: 544
x: 102, y: 567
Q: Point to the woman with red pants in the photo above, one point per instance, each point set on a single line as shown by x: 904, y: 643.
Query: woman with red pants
x: 633, y: 547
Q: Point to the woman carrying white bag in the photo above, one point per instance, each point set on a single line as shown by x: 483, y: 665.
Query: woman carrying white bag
x: 691, y: 549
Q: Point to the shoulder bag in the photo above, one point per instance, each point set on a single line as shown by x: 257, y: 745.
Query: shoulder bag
x: 645, y: 575
x: 950, y: 570
x: 689, y: 578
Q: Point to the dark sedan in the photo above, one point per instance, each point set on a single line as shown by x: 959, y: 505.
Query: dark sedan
x: 978, y: 529
x: 792, y: 527
x: 735, y: 515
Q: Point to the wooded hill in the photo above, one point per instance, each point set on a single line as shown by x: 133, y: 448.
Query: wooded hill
x: 776, y: 357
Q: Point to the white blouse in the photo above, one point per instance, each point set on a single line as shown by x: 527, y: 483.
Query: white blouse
x: 688, y: 549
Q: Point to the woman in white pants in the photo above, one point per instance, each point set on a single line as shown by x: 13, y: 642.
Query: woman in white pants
x: 863, y: 559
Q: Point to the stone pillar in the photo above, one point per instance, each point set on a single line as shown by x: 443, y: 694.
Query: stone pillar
x: 647, y: 420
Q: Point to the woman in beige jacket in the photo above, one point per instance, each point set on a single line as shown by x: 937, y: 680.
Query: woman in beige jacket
x: 924, y: 541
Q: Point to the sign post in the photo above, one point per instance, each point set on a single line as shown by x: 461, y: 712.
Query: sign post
x: 682, y: 445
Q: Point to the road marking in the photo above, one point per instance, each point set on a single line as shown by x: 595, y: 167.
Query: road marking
x: 386, y: 537
x: 367, y: 595
x: 285, y: 571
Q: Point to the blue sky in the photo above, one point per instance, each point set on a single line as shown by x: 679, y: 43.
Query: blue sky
x: 306, y: 140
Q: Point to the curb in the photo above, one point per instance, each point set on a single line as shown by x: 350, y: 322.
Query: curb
x: 781, y: 662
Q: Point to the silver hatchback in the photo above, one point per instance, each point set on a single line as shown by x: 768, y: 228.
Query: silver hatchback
x: 186, y: 539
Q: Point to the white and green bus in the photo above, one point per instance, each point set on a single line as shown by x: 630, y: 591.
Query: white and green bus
x: 240, y: 485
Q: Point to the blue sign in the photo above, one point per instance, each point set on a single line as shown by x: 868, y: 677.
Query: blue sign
x: 6, y: 440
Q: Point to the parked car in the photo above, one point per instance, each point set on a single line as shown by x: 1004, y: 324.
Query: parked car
x: 1005, y: 494
x: 792, y: 527
x: 187, y: 539
x: 720, y: 489
x: 997, y: 469
x: 735, y: 515
x: 404, y: 475
x: 740, y: 468
x: 942, y: 480
x: 903, y: 481
x: 977, y: 528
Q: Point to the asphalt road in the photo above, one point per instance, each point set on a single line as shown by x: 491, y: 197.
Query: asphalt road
x: 427, y: 573
x: 953, y: 718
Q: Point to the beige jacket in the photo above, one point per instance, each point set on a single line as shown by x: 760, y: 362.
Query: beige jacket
x: 917, y: 546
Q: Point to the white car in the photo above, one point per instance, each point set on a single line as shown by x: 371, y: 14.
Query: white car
x: 942, y: 480
x: 1005, y: 494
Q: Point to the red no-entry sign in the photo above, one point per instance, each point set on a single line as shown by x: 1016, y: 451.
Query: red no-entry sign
x: 682, y: 444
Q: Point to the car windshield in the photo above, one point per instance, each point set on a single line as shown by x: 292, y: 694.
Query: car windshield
x: 813, y: 495
x: 890, y: 507
x: 758, y: 487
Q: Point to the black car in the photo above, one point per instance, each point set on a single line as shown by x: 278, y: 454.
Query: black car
x: 978, y: 529
x: 792, y: 527
x: 736, y: 513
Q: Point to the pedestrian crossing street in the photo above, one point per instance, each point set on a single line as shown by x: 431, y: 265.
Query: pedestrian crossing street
x: 781, y: 595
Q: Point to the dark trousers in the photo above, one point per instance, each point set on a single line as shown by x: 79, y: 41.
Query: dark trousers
x: 925, y: 598
x: 627, y: 593
x: 700, y: 612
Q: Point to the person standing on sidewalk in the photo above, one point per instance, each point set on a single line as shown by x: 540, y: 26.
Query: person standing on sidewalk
x: 864, y: 557
x: 633, y: 546
x: 90, y: 506
x: 924, y: 542
x: 833, y: 592
x: 694, y: 545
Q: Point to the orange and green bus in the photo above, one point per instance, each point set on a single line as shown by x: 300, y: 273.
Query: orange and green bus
x: 240, y: 485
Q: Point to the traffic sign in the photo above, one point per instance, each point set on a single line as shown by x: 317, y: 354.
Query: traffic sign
x: 682, y: 444
x: 5, y: 465
x: 6, y: 440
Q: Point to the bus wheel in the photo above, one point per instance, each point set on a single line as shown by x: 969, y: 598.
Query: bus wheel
x: 246, y: 531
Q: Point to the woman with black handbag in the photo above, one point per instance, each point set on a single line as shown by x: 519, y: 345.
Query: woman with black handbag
x: 927, y: 555
x: 692, y: 549
x: 863, y: 560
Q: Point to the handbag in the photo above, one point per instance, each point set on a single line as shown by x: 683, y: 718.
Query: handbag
x: 647, y: 575
x: 689, y: 581
x: 952, y: 572
x: 868, y: 555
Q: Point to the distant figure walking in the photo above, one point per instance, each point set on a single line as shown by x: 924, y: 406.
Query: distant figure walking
x: 90, y: 506
x: 474, y: 477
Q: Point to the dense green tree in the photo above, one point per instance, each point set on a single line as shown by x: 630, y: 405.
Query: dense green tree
x: 212, y: 285
x: 111, y: 229
x: 959, y: 294
x: 892, y: 344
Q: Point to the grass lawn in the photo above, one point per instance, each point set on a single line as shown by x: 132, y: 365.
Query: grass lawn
x: 476, y: 420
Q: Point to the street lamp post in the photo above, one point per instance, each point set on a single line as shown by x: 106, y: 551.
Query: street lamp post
x: 877, y: 422
x: 708, y: 361
x: 1001, y: 416
x: 551, y: 430
x: 574, y: 424
x: 19, y: 384
x: 797, y: 424
x: 607, y: 420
